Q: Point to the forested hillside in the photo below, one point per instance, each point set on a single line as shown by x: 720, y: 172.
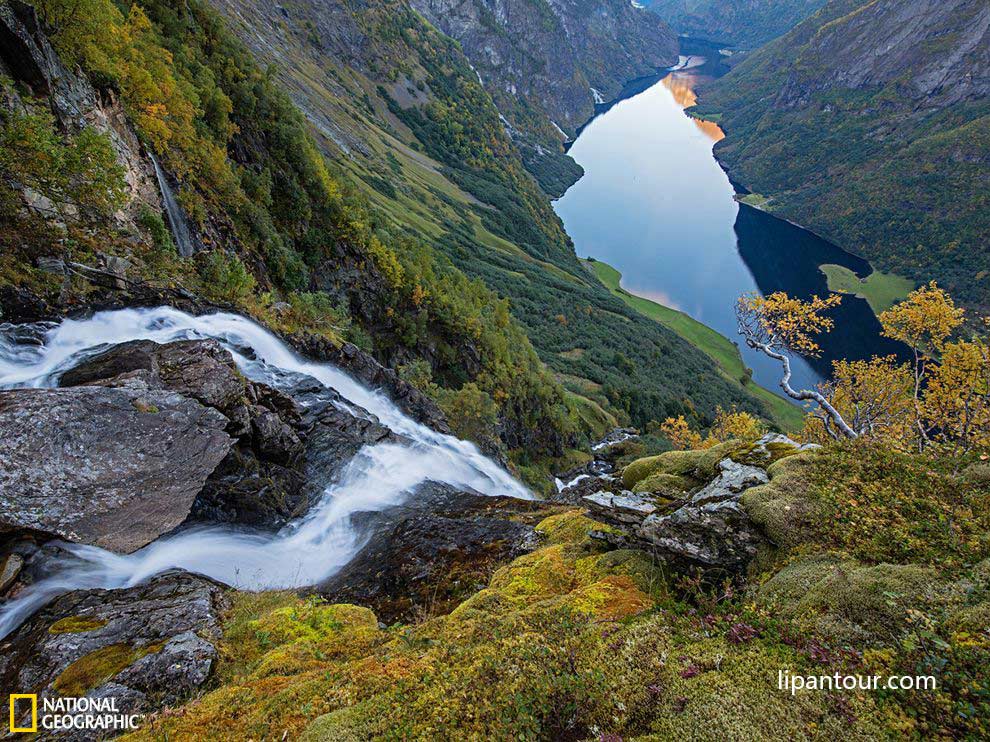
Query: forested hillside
x: 868, y: 123
x: 546, y: 65
x: 745, y: 24
x: 357, y: 247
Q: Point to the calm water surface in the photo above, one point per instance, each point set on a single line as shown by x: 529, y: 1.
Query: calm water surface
x: 655, y: 204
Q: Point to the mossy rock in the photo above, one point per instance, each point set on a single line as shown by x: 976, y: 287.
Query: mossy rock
x: 541, y: 574
x: 645, y: 571
x: 670, y: 486
x: 349, y: 724
x: 854, y: 604
x: 571, y: 527
x: 764, y: 455
x: 76, y: 625
x: 785, y: 508
x: 697, y: 466
x: 610, y: 599
x: 333, y: 627
x: 94, y: 669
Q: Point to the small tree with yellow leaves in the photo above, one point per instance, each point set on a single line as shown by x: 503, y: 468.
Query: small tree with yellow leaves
x: 679, y: 433
x: 779, y: 325
x: 955, y: 408
x: 733, y: 424
x: 923, y: 322
x: 873, y: 396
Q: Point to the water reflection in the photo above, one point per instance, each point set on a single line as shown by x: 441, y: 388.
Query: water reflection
x: 655, y: 204
x: 682, y: 86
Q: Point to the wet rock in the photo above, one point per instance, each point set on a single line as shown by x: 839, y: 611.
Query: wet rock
x: 200, y: 369
x: 147, y: 646
x: 260, y: 481
x: 10, y: 568
x: 371, y: 373
x: 70, y: 472
x: 428, y: 555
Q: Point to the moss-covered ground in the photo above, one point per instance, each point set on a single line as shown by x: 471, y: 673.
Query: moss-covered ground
x: 573, y: 641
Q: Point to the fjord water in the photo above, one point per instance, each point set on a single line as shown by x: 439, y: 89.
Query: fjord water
x: 304, y: 552
x: 656, y: 205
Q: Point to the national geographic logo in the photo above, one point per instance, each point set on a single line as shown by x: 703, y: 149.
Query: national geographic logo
x: 64, y: 714
x: 18, y: 707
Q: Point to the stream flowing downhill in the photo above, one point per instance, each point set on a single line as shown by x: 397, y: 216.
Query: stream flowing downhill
x: 304, y: 552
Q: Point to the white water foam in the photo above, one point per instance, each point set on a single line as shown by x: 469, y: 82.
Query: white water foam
x: 304, y: 552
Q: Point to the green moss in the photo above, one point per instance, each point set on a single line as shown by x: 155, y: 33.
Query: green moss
x: 646, y: 573
x: 763, y: 455
x: 785, y: 508
x: 93, y: 669
x: 697, y: 466
x: 76, y: 625
x: 852, y: 604
x: 671, y: 486
x: 571, y: 527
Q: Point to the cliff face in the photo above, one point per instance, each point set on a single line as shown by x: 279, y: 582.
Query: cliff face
x: 547, y: 62
x: 744, y: 23
x: 868, y: 123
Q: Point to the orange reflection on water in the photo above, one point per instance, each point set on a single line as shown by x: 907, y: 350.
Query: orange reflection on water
x: 681, y: 85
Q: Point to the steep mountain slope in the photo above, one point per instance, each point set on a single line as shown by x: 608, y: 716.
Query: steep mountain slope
x: 397, y: 105
x: 869, y: 124
x: 358, y: 247
x: 547, y: 62
x: 743, y: 23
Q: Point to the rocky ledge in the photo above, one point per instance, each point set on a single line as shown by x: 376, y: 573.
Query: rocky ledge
x: 685, y: 506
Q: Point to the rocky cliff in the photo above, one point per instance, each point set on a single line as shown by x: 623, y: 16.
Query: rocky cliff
x: 868, y: 123
x: 547, y: 63
x: 743, y: 23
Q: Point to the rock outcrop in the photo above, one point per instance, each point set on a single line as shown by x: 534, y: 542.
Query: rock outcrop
x: 707, y: 528
x: 289, y: 445
x: 112, y: 467
x: 146, y: 646
x: 430, y: 553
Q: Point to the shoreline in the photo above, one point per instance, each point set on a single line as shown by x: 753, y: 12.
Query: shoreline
x: 723, y: 351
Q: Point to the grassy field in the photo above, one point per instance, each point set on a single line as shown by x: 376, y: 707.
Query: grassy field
x: 720, y: 348
x: 881, y: 290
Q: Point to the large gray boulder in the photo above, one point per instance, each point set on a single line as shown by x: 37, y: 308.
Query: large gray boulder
x: 115, y: 468
x: 146, y: 646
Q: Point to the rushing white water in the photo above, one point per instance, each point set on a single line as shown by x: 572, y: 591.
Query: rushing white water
x: 304, y: 552
x: 176, y: 220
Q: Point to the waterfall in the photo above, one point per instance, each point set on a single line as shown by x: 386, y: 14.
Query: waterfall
x: 303, y: 553
x: 183, y: 238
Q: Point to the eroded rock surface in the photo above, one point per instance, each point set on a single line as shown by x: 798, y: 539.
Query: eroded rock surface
x: 146, y: 646
x: 112, y: 467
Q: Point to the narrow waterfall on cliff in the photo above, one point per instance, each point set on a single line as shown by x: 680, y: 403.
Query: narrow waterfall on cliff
x: 304, y: 552
x: 176, y: 220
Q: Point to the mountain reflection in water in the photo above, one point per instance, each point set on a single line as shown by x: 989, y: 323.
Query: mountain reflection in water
x: 655, y: 204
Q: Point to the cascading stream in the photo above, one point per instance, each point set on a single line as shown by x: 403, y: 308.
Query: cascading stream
x: 304, y: 552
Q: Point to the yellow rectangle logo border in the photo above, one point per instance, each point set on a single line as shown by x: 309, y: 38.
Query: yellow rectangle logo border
x: 33, y: 697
